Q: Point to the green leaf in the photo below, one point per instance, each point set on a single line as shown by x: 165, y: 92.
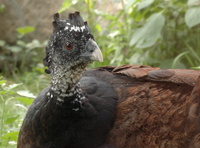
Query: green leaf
x: 2, y: 7
x: 24, y: 100
x: 98, y: 27
x: 22, y: 106
x: 2, y: 43
x: 2, y: 82
x: 179, y: 65
x: 144, y: 3
x: 3, y: 92
x: 66, y: 5
x: 130, y: 3
x: 12, y: 86
x: 33, y: 44
x: 89, y: 3
x: 151, y: 31
x: 196, y: 68
x: 15, y: 49
x: 166, y: 63
x: 176, y: 63
x: 21, y: 43
x: 194, y: 53
x: 26, y: 93
x: 192, y: 16
x: 193, y: 2
x: 25, y: 30
x: 11, y: 136
x: 114, y: 34
x: 11, y: 119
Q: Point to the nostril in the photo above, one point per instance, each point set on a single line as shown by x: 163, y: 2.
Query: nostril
x: 91, y: 50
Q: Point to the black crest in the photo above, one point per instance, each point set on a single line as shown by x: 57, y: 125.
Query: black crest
x: 74, y: 22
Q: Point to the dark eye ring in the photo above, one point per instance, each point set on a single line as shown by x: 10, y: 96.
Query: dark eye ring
x: 69, y: 46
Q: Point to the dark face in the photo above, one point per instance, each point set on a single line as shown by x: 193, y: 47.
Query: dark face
x: 68, y: 45
x: 71, y: 44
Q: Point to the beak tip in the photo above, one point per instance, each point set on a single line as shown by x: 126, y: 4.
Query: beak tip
x: 101, y: 59
x: 97, y: 55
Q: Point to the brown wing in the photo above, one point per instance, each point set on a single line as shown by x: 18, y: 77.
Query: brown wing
x: 156, y: 108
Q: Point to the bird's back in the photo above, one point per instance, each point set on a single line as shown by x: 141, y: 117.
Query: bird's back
x: 156, y: 108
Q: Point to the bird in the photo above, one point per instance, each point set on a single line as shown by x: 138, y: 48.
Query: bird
x: 128, y: 106
x: 64, y: 115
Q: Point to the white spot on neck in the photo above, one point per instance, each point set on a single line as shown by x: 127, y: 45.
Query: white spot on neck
x: 66, y: 28
x: 60, y: 100
x: 65, y: 84
x: 51, y: 96
x: 75, y: 109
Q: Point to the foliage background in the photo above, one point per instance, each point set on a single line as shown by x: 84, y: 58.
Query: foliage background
x: 151, y: 32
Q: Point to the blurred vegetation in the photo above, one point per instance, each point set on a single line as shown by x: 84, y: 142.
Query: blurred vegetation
x: 152, y: 32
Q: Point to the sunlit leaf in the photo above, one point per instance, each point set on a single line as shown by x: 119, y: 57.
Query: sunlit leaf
x: 150, y: 32
x: 193, y: 2
x: 144, y: 3
x: 21, y: 106
x: 24, y: 100
x: 196, y: 68
x: 2, y: 82
x: 2, y: 7
x: 11, y: 119
x: 21, y: 43
x: 65, y: 5
x: 114, y: 34
x: 26, y: 93
x: 130, y: 3
x: 89, y: 3
x: 12, y: 86
x: 25, y: 30
x: 11, y: 136
x: 2, y: 43
x: 3, y: 92
x: 192, y: 16
x: 33, y: 44
x: 15, y: 49
x: 98, y: 27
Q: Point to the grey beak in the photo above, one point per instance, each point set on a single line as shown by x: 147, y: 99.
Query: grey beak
x: 93, y: 52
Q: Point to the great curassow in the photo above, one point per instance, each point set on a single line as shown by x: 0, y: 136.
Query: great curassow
x: 130, y: 106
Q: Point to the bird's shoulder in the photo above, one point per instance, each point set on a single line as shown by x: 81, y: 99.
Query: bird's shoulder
x: 153, y: 99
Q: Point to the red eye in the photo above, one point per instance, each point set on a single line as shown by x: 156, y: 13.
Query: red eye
x: 69, y: 46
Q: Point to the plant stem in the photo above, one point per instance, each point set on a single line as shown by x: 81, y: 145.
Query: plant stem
x: 2, y: 118
x: 125, y: 16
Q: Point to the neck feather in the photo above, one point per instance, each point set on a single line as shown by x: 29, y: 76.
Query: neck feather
x: 65, y: 84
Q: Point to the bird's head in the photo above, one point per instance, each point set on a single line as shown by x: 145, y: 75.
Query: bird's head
x: 71, y: 45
